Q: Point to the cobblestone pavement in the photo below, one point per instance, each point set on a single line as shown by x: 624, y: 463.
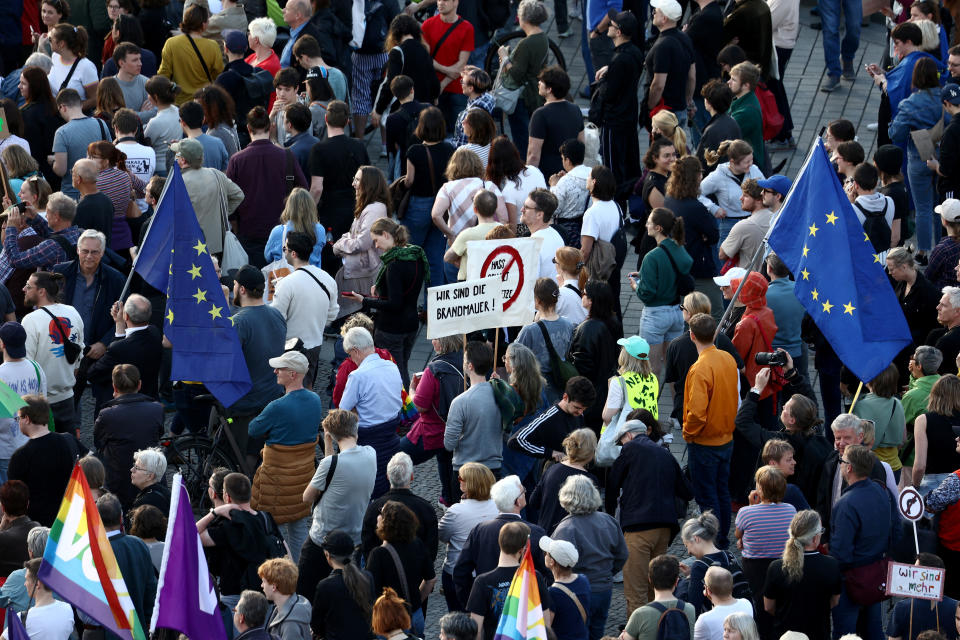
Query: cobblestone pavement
x: 811, y: 110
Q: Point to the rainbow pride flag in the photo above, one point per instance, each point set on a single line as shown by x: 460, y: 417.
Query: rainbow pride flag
x: 522, y: 617
x: 79, y: 565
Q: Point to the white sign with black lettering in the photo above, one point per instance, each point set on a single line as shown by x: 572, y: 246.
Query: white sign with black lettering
x: 517, y: 263
x: 463, y: 307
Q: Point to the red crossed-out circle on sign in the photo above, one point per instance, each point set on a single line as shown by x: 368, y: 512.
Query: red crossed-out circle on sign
x: 514, y: 260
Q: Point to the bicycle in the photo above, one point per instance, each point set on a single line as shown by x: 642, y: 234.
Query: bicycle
x: 196, y: 455
x: 492, y: 63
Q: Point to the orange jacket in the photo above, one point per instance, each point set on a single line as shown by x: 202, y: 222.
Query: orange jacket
x: 710, y: 398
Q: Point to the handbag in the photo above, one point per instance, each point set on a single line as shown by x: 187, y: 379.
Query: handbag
x: 504, y: 97
x: 71, y: 350
x: 685, y: 281
x: 560, y: 370
x: 866, y: 585
x: 400, y: 572
x: 234, y: 255
x: 400, y: 196
x: 607, y: 448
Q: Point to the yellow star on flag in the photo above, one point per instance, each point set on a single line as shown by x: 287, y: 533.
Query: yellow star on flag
x: 233, y: 321
x: 815, y: 294
x: 827, y: 306
x: 170, y: 316
x: 200, y: 247
x: 813, y: 229
x: 194, y: 272
x: 805, y: 274
x: 876, y: 257
x: 866, y: 238
x: 215, y: 312
x: 848, y: 308
x: 831, y: 218
x: 805, y: 251
x: 200, y: 295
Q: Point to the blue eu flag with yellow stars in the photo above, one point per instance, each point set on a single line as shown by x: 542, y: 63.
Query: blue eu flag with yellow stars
x: 174, y: 258
x: 839, y: 279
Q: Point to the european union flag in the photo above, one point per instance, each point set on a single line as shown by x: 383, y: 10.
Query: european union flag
x: 197, y: 321
x: 839, y: 279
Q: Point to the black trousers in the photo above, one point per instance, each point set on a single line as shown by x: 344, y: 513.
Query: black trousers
x: 312, y: 568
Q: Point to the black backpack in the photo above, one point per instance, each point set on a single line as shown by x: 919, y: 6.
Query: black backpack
x: 741, y: 587
x: 875, y: 224
x: 450, y: 379
x: 276, y: 547
x: 673, y: 623
x: 257, y: 88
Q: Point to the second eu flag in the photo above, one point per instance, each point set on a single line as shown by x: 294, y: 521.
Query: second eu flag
x: 839, y: 279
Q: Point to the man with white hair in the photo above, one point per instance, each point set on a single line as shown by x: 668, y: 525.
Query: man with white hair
x: 947, y: 338
x: 58, y: 228
x: 481, y: 550
x: 923, y: 366
x: 147, y: 475
x: 373, y: 393
x: 847, y: 430
x: 400, y: 475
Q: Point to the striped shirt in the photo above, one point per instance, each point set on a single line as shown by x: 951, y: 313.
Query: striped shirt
x: 765, y: 528
x: 118, y: 185
x: 459, y: 193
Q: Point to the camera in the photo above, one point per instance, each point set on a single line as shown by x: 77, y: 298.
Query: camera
x: 771, y: 359
x: 22, y: 206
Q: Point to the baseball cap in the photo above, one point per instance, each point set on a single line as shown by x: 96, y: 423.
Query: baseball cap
x: 794, y: 635
x: 949, y: 210
x: 14, y: 339
x: 636, y: 347
x: 293, y: 360
x: 562, y: 551
x: 249, y: 277
x: 189, y: 149
x: 950, y: 93
x: 734, y: 273
x: 337, y: 543
x: 776, y: 182
x: 670, y: 8
x: 625, y: 21
x: 235, y: 40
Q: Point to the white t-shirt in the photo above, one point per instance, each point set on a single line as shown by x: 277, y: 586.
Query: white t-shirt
x: 570, y: 304
x: 709, y: 625
x: 142, y: 162
x: 551, y: 242
x: 21, y: 376
x: 85, y: 74
x: 48, y: 353
x: 305, y: 306
x: 601, y: 220
x: 52, y: 621
x: 530, y: 178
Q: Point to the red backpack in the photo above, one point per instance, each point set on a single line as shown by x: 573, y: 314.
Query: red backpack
x: 772, y: 118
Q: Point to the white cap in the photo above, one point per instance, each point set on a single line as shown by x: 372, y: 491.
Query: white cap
x: 669, y: 8
x: 733, y: 273
x: 290, y: 360
x: 949, y: 210
x: 562, y: 551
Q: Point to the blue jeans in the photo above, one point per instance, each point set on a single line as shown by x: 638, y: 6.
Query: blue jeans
x: 585, y: 45
x: 4, y: 465
x: 295, y: 533
x: 519, y: 127
x: 923, y: 193
x: 599, y: 608
x: 699, y: 122
x: 833, y: 47
x: 710, y: 471
x: 419, y: 455
x: 425, y: 234
x: 846, y: 613
x: 478, y: 57
x: 661, y: 324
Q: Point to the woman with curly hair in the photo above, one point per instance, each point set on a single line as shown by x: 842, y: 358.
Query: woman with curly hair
x: 514, y: 178
x: 397, y: 528
x: 361, y: 260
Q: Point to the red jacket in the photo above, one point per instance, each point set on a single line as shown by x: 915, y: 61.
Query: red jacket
x: 755, y: 331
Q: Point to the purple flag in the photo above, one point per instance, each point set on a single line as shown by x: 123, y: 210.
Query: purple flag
x: 186, y: 600
x: 15, y: 630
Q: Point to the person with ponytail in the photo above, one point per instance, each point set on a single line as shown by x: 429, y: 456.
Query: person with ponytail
x: 403, y: 270
x: 70, y: 68
x: 390, y: 617
x: 546, y: 293
x: 190, y: 60
x: 343, y: 601
x: 699, y: 536
x: 804, y: 584
x: 657, y: 285
x: 165, y: 126
x: 117, y: 183
x: 665, y: 124
x: 724, y: 182
x: 593, y: 348
x: 572, y: 277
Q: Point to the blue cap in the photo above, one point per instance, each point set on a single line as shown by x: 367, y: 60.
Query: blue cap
x: 636, y: 347
x: 235, y: 40
x: 776, y: 182
x: 950, y: 93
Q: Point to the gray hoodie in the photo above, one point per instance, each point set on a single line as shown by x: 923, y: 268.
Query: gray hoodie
x: 292, y: 620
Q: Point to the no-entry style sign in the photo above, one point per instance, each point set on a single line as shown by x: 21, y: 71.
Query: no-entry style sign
x: 910, y: 504
x: 517, y: 263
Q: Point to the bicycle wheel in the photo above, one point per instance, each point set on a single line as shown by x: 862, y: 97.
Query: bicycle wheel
x: 195, y: 458
x: 492, y: 64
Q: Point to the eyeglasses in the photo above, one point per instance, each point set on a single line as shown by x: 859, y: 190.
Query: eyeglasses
x: 842, y: 461
x: 136, y: 468
x: 682, y: 308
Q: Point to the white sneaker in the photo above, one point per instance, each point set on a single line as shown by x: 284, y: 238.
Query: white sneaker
x: 873, y: 126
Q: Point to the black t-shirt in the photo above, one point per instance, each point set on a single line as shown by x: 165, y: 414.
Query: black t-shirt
x: 681, y: 354
x: 671, y: 54
x: 897, y: 191
x: 705, y: 29
x: 440, y: 153
x: 240, y: 549
x: 555, y: 123
x: 336, y: 615
x: 804, y: 605
x: 942, y: 456
x: 948, y: 341
x: 913, y: 616
x: 652, y: 181
x: 44, y: 464
x: 417, y: 565
x: 95, y: 211
x: 398, y: 126
x: 545, y: 499
x: 336, y: 160
x: 489, y: 593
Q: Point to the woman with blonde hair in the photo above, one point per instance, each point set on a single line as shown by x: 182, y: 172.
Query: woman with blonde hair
x: 740, y: 626
x: 579, y: 449
x: 665, y: 123
x: 762, y: 527
x: 475, y: 506
x: 361, y: 260
x: 572, y: 278
x: 299, y: 214
x: 636, y: 383
x: 20, y: 166
x: 803, y: 584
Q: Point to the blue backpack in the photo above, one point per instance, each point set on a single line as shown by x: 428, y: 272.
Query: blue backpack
x: 673, y: 623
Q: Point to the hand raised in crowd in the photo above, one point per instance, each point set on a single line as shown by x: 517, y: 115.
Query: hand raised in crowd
x: 116, y: 312
x: 555, y: 178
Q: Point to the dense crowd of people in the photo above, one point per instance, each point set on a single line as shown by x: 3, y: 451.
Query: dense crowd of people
x: 548, y: 438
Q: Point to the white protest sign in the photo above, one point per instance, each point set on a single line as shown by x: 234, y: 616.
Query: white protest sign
x: 911, y: 581
x: 910, y: 504
x: 463, y: 307
x: 517, y: 263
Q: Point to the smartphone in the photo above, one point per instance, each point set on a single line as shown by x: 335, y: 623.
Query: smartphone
x: 22, y: 206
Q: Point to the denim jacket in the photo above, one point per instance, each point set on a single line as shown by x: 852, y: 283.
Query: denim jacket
x: 921, y: 110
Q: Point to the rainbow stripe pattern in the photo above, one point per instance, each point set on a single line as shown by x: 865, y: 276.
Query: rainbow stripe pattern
x: 79, y: 565
x: 522, y: 617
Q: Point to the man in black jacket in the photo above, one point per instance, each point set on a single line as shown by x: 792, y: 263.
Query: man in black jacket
x: 136, y: 342
x: 133, y: 560
x: 648, y: 504
x: 948, y: 165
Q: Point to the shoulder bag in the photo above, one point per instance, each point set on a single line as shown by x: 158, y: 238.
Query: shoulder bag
x: 234, y: 255
x: 203, y: 63
x: 560, y: 370
x: 400, y: 572
x: 443, y: 38
x: 607, y: 448
x: 506, y: 97
x: 71, y: 350
x: 570, y: 594
x: 73, y: 67
x: 685, y: 282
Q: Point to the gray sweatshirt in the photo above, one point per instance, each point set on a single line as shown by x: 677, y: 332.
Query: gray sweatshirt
x: 473, y: 428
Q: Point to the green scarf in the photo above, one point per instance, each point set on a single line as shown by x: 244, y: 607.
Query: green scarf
x: 410, y: 252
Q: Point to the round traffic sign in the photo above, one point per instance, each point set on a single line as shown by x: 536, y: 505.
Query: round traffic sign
x: 910, y: 504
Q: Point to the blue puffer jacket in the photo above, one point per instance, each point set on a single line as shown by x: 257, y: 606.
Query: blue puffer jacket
x: 921, y: 110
